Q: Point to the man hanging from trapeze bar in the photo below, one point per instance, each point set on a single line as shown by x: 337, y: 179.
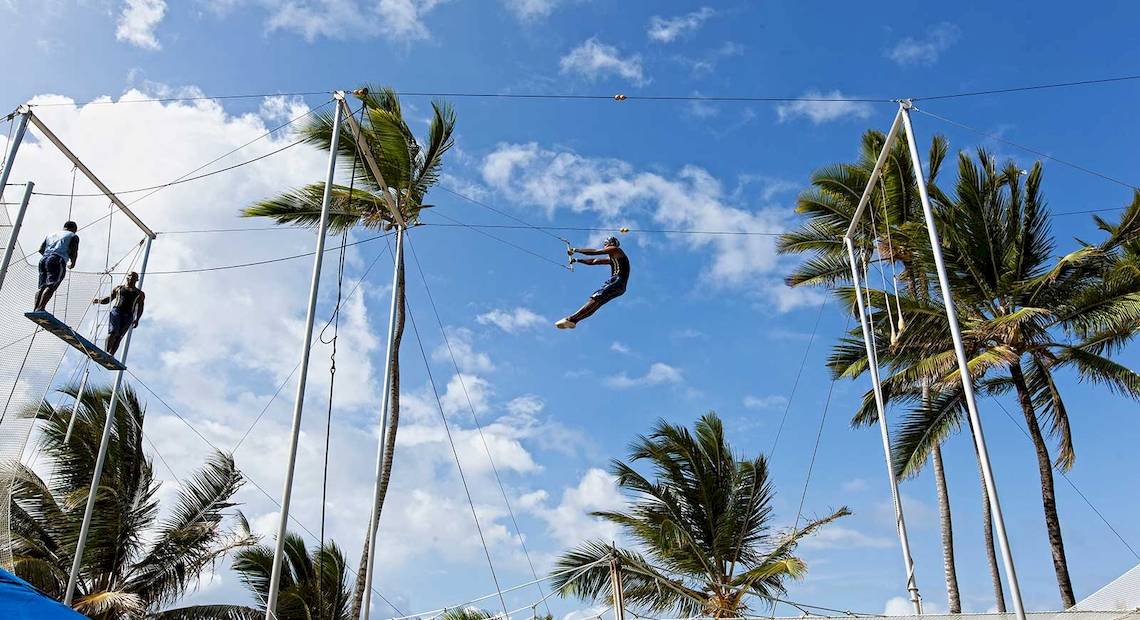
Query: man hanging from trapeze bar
x: 611, y: 254
x: 58, y: 249
x: 127, y: 309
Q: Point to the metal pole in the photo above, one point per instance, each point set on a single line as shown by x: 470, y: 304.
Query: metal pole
x: 963, y: 368
x: 21, y: 129
x: 101, y: 459
x: 314, y: 285
x: 16, y: 225
x: 75, y: 408
x: 374, y: 520
x: 876, y: 387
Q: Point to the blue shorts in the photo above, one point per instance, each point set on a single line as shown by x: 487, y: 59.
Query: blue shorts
x: 118, y: 322
x: 610, y: 290
x: 52, y: 269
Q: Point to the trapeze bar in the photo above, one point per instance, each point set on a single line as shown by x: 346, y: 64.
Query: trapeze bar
x: 55, y: 326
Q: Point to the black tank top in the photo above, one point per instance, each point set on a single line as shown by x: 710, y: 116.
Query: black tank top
x: 619, y: 268
x: 124, y: 299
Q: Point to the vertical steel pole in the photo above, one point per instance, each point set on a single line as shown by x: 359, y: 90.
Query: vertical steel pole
x: 75, y: 408
x: 298, y: 403
x: 16, y: 225
x: 963, y: 368
x: 880, y: 408
x: 21, y: 129
x: 101, y: 459
x: 385, y: 400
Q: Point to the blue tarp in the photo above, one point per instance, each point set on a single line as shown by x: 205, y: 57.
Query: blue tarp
x: 19, y: 600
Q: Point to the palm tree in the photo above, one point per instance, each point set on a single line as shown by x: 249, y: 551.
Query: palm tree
x: 134, y: 564
x: 409, y: 170
x: 894, y: 228
x: 313, y: 586
x: 1024, y: 316
x: 702, y: 527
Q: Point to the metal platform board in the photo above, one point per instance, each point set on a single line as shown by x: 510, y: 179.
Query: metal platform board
x: 51, y: 324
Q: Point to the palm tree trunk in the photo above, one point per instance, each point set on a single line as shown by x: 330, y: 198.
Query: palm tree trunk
x: 988, y: 532
x: 389, y: 443
x: 946, y: 525
x: 1048, y: 492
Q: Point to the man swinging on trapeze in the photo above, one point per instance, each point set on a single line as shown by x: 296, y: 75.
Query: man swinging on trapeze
x: 612, y: 289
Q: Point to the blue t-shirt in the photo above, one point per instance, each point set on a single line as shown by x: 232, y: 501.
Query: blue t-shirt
x: 59, y: 243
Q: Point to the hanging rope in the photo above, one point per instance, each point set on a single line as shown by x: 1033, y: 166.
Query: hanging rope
x: 458, y: 465
x: 478, y: 425
x: 332, y: 375
x: 882, y: 275
x: 891, y: 250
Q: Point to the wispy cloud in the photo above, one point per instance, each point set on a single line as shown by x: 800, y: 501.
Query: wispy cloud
x: 669, y: 29
x: 927, y: 49
x: 402, y: 21
x: 618, y: 347
x: 594, y: 59
x: 824, y: 108
x: 511, y: 321
x: 137, y: 22
x: 659, y: 373
x: 531, y: 10
x: 772, y: 401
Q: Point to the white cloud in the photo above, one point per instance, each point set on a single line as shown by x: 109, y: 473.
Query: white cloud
x: 855, y: 485
x: 594, y: 59
x: 690, y: 198
x: 511, y: 321
x: 402, y: 21
x: 619, y: 347
x: 463, y: 348
x: 836, y: 536
x: 898, y: 606
x: 137, y: 22
x: 531, y: 10
x: 824, y: 108
x: 659, y: 373
x: 927, y: 49
x: 668, y: 29
x: 570, y: 522
x: 765, y: 402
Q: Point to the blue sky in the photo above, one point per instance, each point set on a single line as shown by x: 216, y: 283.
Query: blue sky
x: 706, y: 323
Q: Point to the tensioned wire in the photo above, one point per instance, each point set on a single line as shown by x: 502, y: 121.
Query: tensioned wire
x: 623, y: 97
x: 455, y: 453
x: 478, y: 425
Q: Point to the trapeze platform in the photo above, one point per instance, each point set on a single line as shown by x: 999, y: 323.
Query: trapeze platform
x: 51, y: 324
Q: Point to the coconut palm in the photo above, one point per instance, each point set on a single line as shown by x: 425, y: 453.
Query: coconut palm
x: 893, y: 227
x: 702, y: 529
x: 135, y: 563
x: 313, y: 586
x: 1024, y: 316
x: 409, y: 169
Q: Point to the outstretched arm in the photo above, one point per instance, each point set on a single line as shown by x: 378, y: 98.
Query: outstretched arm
x: 591, y: 261
x: 105, y: 300
x: 594, y: 252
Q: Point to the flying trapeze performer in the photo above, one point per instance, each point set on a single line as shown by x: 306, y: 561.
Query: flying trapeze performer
x: 611, y: 254
x: 58, y: 249
x: 125, y: 313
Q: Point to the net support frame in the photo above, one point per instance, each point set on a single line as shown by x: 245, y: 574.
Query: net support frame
x: 306, y: 347
x: 902, y: 121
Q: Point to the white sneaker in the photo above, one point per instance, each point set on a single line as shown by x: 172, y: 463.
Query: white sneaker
x: 565, y: 324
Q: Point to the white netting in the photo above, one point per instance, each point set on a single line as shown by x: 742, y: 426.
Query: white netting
x: 30, y: 357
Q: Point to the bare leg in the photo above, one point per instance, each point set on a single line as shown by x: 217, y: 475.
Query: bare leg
x: 44, y: 296
x: 586, y: 311
x: 113, y: 340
